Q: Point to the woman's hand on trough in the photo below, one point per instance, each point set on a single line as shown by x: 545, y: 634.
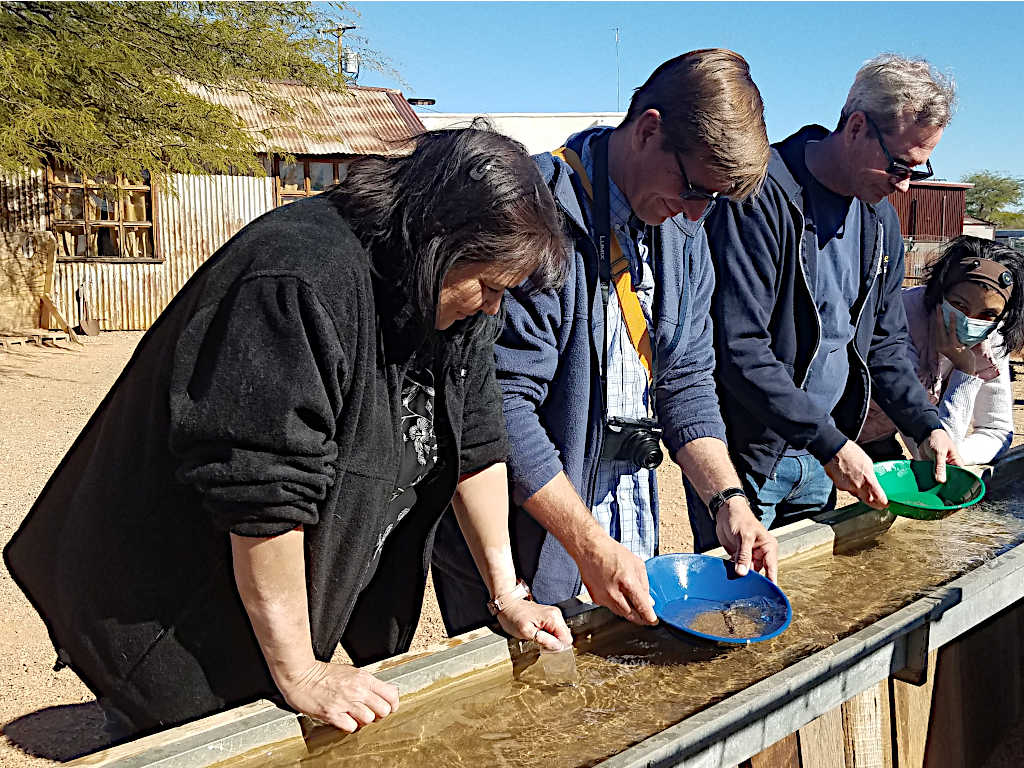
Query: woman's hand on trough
x: 533, y: 621
x: 340, y: 695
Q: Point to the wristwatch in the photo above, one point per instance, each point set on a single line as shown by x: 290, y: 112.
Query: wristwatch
x: 717, y: 500
x: 501, y: 602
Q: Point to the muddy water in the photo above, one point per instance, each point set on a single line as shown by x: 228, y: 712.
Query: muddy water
x: 636, y: 681
x: 739, y: 619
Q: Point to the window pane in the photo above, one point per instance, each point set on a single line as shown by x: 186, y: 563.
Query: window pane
x: 66, y: 176
x: 136, y: 205
x: 108, y: 242
x: 104, y: 179
x: 138, y: 182
x: 291, y: 177
x: 138, y: 243
x: 101, y: 208
x: 68, y: 203
x: 71, y: 243
x: 321, y: 176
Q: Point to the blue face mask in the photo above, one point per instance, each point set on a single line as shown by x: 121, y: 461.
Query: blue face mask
x: 968, y: 330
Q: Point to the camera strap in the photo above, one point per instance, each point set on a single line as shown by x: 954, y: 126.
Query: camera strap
x: 613, y: 265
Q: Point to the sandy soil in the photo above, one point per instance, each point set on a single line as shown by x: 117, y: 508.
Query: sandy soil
x: 46, y: 397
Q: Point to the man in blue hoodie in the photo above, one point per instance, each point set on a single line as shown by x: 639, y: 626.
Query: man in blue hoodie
x: 594, y: 374
x: 809, y: 325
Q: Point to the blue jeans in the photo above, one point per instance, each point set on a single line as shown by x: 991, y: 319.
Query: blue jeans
x: 796, y: 489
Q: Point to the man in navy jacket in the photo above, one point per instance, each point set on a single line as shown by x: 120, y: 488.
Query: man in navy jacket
x: 566, y: 363
x: 809, y: 325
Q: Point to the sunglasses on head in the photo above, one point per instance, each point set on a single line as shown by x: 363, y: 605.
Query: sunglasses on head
x: 897, y: 168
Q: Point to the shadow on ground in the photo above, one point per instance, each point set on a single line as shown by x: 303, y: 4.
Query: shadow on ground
x: 60, y: 733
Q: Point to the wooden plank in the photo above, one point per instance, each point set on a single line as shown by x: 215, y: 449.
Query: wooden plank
x: 977, y: 698
x: 912, y: 707
x: 990, y: 683
x: 945, y: 745
x: 821, y: 741
x: 781, y: 754
x: 866, y: 729
x: 50, y: 309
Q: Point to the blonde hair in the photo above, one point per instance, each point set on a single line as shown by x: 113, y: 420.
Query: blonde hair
x: 710, y: 105
x: 896, y: 91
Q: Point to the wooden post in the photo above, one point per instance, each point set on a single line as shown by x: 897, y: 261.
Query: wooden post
x: 912, y: 708
x: 945, y: 745
x: 781, y: 754
x: 866, y: 726
x: 822, y: 742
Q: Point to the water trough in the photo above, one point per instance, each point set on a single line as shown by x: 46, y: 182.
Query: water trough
x: 934, y: 682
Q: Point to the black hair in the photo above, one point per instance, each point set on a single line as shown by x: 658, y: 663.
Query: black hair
x: 940, y: 277
x: 467, y: 195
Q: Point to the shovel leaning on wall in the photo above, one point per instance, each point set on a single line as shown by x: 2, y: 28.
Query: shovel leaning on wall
x: 88, y: 324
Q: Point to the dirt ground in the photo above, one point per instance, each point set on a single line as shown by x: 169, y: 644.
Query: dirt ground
x: 46, y: 397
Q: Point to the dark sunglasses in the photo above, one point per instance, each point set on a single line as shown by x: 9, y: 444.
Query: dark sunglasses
x: 691, y: 192
x: 896, y: 168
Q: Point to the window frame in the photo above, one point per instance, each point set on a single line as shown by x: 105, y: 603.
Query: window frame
x: 89, y: 225
x: 283, y: 197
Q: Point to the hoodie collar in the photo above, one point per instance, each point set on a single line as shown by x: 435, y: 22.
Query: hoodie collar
x: 787, y: 163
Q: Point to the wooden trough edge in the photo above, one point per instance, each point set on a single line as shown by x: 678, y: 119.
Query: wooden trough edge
x: 726, y: 733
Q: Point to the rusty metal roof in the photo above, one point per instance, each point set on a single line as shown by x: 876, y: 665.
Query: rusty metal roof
x: 359, y: 121
x: 942, y: 183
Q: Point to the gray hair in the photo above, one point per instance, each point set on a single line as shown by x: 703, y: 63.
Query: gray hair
x: 895, y: 91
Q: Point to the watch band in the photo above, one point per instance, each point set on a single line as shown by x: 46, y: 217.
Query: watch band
x: 501, y: 602
x: 718, y: 499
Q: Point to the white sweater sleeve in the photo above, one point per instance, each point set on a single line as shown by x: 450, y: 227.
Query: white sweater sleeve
x: 987, y: 406
x: 956, y: 409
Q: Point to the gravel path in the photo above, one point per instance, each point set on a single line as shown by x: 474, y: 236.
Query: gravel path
x: 46, y: 397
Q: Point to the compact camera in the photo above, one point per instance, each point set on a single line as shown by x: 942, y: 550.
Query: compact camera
x: 636, y: 440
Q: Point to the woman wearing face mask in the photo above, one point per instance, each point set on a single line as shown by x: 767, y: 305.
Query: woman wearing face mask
x: 964, y: 324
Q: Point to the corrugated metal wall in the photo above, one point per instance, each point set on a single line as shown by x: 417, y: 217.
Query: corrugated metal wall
x: 23, y: 205
x: 930, y: 212
x: 191, y: 226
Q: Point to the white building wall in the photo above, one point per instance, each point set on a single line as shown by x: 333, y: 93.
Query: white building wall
x: 987, y: 231
x: 537, y: 131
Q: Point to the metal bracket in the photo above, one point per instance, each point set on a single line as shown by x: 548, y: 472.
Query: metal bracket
x: 915, y: 671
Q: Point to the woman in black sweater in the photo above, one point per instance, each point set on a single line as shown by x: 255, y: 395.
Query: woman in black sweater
x: 263, y: 481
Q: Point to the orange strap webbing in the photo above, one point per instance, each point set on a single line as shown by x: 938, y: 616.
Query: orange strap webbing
x: 632, y: 312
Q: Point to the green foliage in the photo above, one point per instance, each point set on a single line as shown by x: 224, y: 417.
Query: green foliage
x: 992, y: 197
x: 1011, y: 220
x: 101, y: 86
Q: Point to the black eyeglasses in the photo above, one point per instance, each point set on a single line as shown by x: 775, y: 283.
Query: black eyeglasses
x: 898, y: 168
x: 691, y: 192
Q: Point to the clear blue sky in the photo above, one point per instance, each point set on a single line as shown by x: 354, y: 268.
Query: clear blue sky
x: 560, y: 57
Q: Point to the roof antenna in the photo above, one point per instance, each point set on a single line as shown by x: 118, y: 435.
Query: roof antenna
x: 348, y: 60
